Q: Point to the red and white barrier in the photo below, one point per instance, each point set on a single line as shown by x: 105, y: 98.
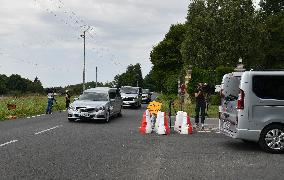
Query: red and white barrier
x: 182, y: 123
x: 162, y: 124
x: 146, y: 126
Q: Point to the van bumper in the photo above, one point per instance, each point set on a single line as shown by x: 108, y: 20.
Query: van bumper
x: 250, y: 135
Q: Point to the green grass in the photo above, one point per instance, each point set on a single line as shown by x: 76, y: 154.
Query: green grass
x: 27, y: 106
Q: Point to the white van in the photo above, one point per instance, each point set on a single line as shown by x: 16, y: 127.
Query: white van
x: 252, y: 108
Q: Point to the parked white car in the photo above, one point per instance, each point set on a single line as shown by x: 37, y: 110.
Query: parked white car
x: 131, y: 96
x: 97, y: 103
x: 252, y: 108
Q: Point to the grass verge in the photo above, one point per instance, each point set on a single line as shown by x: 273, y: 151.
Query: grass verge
x: 27, y: 106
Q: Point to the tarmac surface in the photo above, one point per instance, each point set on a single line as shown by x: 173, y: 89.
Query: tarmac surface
x: 50, y: 147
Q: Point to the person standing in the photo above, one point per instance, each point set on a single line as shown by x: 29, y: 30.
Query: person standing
x: 67, y: 99
x: 50, y: 99
x: 200, y: 105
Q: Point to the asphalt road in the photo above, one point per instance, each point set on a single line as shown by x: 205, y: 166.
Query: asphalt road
x: 50, y: 147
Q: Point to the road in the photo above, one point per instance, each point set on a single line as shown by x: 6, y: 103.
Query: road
x: 50, y: 147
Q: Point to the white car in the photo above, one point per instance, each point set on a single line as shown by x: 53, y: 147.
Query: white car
x: 131, y: 96
x: 97, y: 103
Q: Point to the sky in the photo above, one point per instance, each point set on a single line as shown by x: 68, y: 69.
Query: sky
x: 42, y: 37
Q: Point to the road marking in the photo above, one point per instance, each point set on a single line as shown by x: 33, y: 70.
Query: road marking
x: 28, y: 117
x: 33, y: 116
x: 48, y: 129
x: 4, y: 144
x: 38, y: 115
x: 204, y: 131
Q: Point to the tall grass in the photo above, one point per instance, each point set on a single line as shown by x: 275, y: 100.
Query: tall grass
x: 27, y: 106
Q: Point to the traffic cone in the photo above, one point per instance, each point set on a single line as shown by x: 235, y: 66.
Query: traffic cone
x: 142, y: 128
x: 186, y: 127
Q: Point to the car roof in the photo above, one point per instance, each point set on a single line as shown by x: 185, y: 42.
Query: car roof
x: 100, y: 89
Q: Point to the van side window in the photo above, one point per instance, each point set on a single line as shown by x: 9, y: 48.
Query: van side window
x: 268, y: 87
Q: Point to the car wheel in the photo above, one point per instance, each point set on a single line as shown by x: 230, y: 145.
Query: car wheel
x: 107, y: 117
x: 272, y: 139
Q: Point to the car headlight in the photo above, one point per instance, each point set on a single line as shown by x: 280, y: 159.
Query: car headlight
x: 102, y: 108
x: 72, y: 108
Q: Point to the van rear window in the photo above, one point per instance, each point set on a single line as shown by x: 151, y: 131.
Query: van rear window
x: 268, y: 87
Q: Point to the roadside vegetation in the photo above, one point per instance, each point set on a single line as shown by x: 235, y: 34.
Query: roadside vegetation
x: 188, y: 106
x: 27, y: 106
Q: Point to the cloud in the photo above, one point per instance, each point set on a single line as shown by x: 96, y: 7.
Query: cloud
x: 42, y: 37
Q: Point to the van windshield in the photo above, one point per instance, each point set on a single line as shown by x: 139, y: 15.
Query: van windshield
x: 128, y: 90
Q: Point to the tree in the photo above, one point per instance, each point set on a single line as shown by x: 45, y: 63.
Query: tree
x: 219, y: 32
x: 132, y: 77
x: 272, y: 15
x: 3, y: 84
x: 167, y: 60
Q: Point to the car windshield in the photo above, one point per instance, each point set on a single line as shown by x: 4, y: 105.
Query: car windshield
x: 94, y: 96
x: 128, y: 90
x: 145, y: 91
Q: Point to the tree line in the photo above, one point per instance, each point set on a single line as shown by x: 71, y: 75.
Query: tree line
x: 16, y: 85
x: 216, y: 34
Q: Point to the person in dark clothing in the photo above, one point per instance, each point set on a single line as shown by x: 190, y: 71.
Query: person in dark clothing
x: 200, y: 104
x: 67, y: 99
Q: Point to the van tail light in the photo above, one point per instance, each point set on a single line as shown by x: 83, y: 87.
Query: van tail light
x: 241, y: 100
x: 221, y: 93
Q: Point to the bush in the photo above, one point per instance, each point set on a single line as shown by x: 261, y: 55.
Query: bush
x: 215, y: 99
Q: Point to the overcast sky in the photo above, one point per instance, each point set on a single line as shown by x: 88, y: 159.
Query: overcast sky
x: 42, y: 37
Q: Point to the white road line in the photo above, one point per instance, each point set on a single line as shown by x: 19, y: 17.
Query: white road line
x: 203, y: 131
x: 4, y: 144
x: 48, y: 129
x: 38, y: 115
x: 33, y: 116
x: 28, y: 117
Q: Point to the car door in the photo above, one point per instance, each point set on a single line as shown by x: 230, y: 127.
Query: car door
x: 112, y: 99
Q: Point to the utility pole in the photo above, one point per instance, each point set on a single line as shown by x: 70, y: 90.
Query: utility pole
x: 84, y: 66
x: 96, y: 76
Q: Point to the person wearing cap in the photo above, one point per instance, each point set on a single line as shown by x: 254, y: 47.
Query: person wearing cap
x: 67, y: 99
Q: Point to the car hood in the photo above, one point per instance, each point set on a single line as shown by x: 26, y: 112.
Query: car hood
x: 88, y: 104
x: 128, y: 95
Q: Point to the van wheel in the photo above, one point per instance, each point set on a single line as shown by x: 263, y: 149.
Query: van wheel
x: 272, y: 139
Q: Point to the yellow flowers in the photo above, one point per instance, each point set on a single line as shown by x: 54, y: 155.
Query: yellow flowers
x: 154, y: 107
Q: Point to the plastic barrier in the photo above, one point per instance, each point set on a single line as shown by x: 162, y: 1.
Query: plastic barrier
x: 146, y: 125
x: 178, y: 121
x: 162, y: 125
x: 182, y: 123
